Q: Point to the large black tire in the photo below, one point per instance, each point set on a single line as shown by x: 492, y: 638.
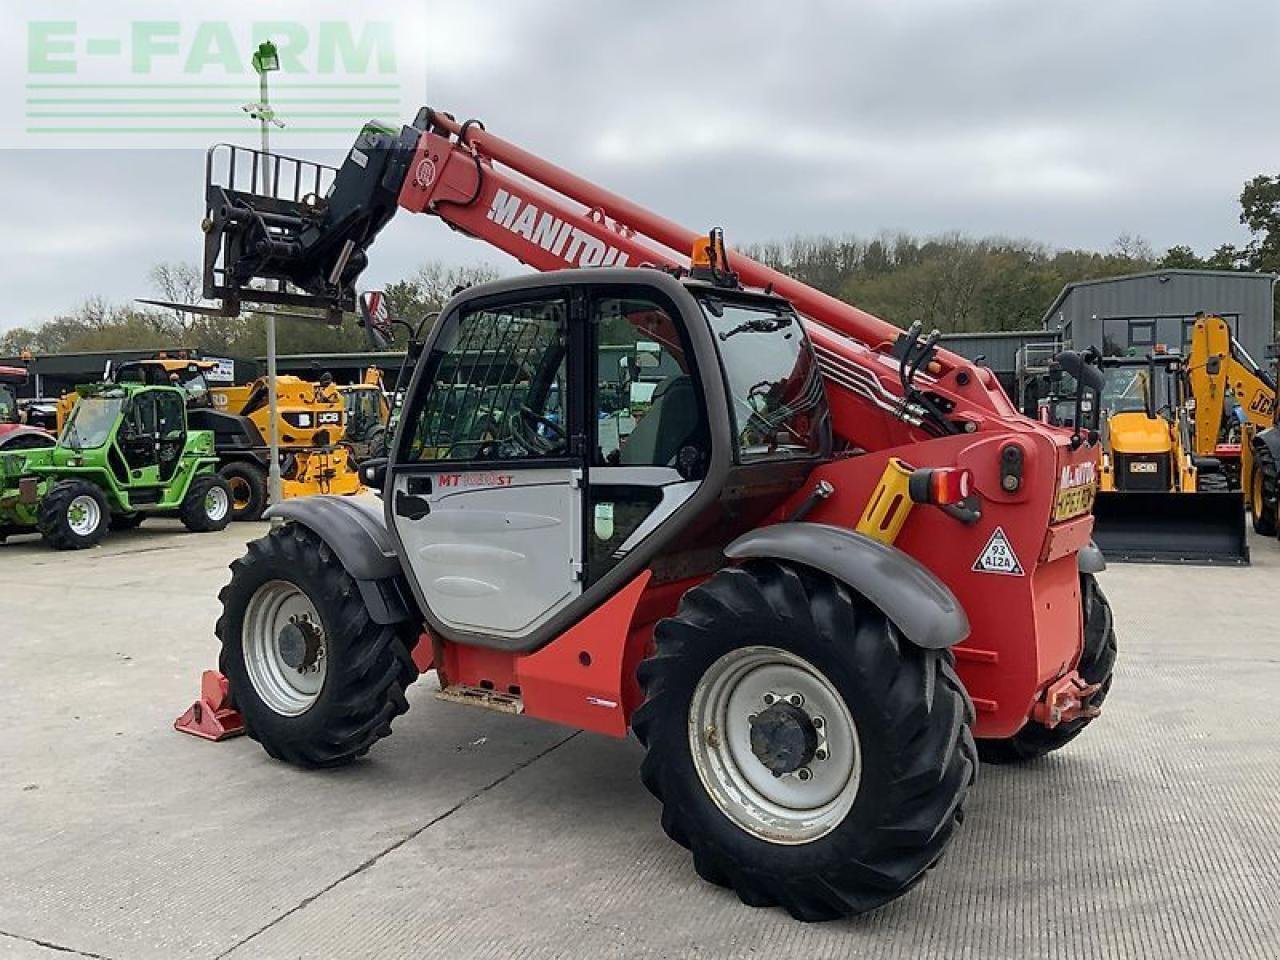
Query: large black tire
x: 1097, y: 663
x: 1212, y: 482
x: 1264, y: 490
x: 368, y: 665
x: 377, y: 443
x: 59, y: 516
x: 127, y: 521
x: 912, y: 719
x: 248, y: 489
x: 207, y: 506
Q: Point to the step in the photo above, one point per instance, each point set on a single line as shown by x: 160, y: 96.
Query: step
x: 481, y: 697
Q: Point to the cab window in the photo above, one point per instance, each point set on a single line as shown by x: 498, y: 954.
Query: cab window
x: 495, y: 387
x: 778, y: 406
x: 647, y: 404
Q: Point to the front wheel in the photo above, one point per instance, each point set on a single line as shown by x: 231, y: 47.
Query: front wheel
x: 1097, y: 663
x: 317, y: 681
x: 73, y: 515
x: 806, y: 753
x: 1212, y: 483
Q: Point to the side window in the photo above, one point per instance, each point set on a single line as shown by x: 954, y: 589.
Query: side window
x: 1142, y: 333
x: 495, y: 387
x: 140, y: 421
x: 647, y: 404
x: 171, y: 415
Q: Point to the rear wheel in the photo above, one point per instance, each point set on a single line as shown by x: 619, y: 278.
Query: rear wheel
x: 73, y: 515
x: 1264, y: 490
x: 317, y: 681
x: 207, y: 505
x: 248, y: 483
x: 806, y: 753
x: 1097, y: 663
x: 377, y: 443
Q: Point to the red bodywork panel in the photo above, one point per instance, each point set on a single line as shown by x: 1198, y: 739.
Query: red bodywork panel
x: 1025, y: 628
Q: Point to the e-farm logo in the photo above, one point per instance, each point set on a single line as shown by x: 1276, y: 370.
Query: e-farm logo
x: 156, y: 81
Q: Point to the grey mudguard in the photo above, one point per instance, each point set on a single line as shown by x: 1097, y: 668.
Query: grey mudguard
x: 917, y: 602
x: 1090, y: 559
x: 355, y: 530
x: 353, y: 527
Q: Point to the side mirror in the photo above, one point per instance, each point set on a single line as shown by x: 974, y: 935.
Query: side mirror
x: 373, y: 473
x: 375, y: 317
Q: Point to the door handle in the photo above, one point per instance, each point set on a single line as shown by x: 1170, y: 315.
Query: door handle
x: 410, y: 507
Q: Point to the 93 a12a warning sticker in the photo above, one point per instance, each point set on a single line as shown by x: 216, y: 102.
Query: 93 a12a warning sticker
x: 998, y: 557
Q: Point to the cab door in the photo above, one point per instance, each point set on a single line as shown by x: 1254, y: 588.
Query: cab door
x: 138, y: 440
x: 486, y: 494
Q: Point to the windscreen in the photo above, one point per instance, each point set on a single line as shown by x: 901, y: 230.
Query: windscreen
x: 775, y: 391
x: 90, y: 422
x: 1125, y: 390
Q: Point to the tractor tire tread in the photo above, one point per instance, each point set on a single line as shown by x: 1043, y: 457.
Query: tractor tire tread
x: 921, y: 748
x: 51, y: 515
x: 364, y: 688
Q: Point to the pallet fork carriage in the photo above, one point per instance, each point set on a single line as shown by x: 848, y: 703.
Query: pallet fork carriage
x: 804, y: 555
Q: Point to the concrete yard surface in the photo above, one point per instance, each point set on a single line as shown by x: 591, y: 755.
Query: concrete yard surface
x: 473, y: 834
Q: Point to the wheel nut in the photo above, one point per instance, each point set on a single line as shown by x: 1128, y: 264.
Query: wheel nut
x: 796, y: 699
x: 820, y: 753
x: 769, y: 698
x: 818, y: 723
x: 804, y: 774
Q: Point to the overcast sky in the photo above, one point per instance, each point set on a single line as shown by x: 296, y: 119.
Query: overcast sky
x: 1066, y: 122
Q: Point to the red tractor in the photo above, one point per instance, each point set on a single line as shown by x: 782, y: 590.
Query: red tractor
x: 14, y: 433
x: 807, y: 557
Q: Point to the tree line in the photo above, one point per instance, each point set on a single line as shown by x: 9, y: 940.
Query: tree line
x: 951, y: 281
x: 99, y: 325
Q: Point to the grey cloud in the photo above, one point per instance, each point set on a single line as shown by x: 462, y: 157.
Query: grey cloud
x: 1068, y: 123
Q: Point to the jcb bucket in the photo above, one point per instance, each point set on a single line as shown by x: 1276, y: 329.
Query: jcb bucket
x: 1194, y: 528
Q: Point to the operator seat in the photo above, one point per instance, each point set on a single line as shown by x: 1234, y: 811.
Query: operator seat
x: 670, y: 423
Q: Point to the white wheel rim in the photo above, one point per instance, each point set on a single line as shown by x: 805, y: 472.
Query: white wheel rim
x: 286, y: 685
x: 216, y: 503
x: 83, y: 515
x: 795, y: 807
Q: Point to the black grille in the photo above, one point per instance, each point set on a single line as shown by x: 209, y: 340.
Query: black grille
x: 1148, y: 471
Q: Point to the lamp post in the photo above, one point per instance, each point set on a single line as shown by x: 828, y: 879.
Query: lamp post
x: 265, y: 61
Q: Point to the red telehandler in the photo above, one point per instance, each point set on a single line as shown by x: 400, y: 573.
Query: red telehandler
x: 807, y: 557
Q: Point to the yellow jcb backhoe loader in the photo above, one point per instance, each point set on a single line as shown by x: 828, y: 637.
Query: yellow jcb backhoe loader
x: 1159, y: 502
x: 368, y: 414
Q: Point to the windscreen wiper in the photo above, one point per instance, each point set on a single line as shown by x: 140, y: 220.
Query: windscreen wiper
x: 759, y: 325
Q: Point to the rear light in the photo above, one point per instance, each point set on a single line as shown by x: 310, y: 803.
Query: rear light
x: 940, y: 486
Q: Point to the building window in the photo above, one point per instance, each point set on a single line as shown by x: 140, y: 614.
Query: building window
x: 1142, y: 333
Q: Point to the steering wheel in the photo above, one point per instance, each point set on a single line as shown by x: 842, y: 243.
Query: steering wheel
x: 530, y: 438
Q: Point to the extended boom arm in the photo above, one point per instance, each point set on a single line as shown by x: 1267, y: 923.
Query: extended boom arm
x: 311, y: 249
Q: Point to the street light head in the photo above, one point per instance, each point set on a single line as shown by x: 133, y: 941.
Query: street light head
x: 265, y: 58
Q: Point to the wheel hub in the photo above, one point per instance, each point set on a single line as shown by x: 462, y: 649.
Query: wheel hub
x: 300, y: 646
x: 774, y: 744
x: 783, y: 738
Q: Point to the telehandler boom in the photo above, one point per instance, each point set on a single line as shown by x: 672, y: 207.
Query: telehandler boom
x: 804, y: 555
